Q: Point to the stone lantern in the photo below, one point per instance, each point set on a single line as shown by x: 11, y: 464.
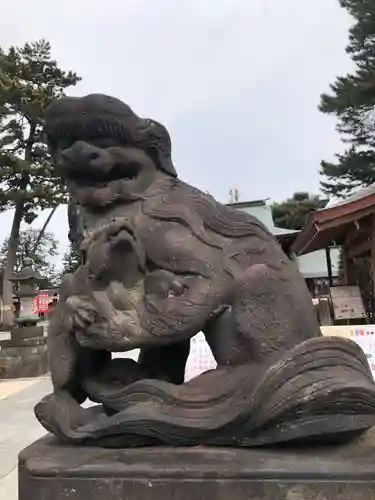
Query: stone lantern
x: 28, y: 279
x: 25, y: 354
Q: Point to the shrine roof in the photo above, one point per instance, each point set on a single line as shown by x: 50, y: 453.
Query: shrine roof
x: 328, y: 226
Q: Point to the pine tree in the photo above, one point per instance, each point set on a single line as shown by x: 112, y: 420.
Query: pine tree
x: 352, y: 101
x: 71, y: 261
x: 41, y: 254
x: 29, y: 81
x: 292, y: 213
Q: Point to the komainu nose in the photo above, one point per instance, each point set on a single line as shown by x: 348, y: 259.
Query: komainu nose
x: 81, y: 153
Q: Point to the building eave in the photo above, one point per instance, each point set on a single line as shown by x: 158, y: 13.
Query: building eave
x: 328, y: 226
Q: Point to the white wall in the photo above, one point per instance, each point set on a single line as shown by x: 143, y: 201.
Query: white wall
x: 314, y: 264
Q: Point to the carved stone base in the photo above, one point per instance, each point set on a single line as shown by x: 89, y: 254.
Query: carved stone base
x: 53, y: 471
x: 25, y: 354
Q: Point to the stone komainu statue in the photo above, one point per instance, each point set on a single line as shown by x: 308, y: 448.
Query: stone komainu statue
x: 161, y: 262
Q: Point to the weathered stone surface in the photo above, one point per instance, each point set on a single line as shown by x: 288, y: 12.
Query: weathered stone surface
x: 24, y: 354
x: 20, y: 360
x: 26, y: 332
x: 49, y: 470
x: 29, y: 342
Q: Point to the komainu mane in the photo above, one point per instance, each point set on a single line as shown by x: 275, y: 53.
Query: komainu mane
x: 163, y: 261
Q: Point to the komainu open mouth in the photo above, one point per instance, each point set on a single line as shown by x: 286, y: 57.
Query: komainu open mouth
x: 100, y: 177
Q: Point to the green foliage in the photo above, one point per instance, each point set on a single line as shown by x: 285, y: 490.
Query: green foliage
x: 352, y: 101
x: 29, y: 81
x: 42, y: 256
x: 292, y: 213
x: 71, y: 261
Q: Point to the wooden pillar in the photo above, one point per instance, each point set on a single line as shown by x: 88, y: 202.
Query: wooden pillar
x: 329, y: 266
x: 349, y: 268
x: 372, y: 253
x: 345, y: 264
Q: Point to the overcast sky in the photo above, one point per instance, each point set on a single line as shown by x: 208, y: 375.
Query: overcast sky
x: 237, y: 82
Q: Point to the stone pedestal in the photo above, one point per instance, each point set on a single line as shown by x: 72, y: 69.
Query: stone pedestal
x: 49, y: 470
x: 25, y: 354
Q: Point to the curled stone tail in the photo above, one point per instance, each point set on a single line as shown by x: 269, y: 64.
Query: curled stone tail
x: 320, y: 389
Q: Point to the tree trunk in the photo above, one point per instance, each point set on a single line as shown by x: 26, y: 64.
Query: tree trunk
x: 42, y: 231
x: 8, y: 313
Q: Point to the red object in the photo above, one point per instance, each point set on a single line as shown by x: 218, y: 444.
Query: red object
x: 42, y: 304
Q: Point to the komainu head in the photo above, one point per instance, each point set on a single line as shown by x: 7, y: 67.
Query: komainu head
x: 104, y: 151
